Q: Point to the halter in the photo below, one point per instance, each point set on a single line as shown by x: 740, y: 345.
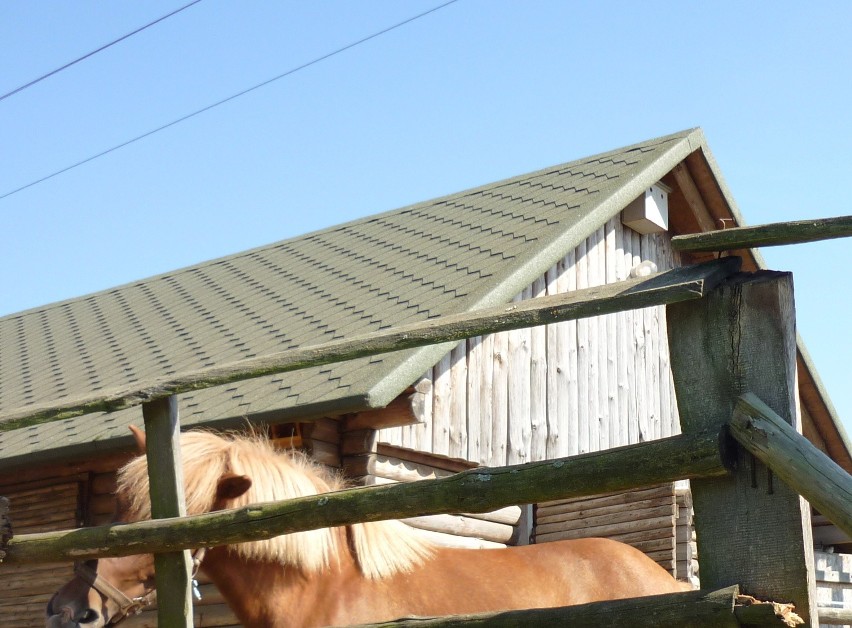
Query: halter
x: 126, y: 605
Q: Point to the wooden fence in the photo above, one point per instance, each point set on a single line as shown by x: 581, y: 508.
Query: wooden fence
x: 730, y: 334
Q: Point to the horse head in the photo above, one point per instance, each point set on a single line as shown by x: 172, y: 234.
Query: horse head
x: 103, y: 592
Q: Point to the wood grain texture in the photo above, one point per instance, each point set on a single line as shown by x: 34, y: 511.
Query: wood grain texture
x: 723, y: 608
x: 751, y: 530
x: 165, y: 479
x: 475, y: 490
x: 794, y: 459
x: 774, y: 234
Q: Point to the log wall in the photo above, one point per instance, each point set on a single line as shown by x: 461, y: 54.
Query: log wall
x: 644, y: 519
x: 38, y: 507
x: 74, y: 494
x: 563, y: 389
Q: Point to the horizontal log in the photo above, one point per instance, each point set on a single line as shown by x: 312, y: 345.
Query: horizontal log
x: 613, y: 499
x: 666, y: 546
x: 510, y: 515
x: 636, y: 536
x: 475, y: 490
x: 774, y: 234
x: 405, y: 471
x: 545, y: 516
x: 324, y: 453
x: 722, y: 608
x: 679, y: 284
x: 611, y: 530
x: 834, y: 616
x: 401, y: 411
x: 429, y: 459
x: 793, y: 458
x: 463, y: 542
x: 324, y: 429
x: 464, y: 526
x: 625, y: 518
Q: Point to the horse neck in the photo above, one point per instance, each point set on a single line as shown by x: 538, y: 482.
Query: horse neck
x: 271, y: 595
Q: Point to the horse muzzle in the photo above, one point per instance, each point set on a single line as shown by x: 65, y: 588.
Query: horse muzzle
x: 67, y: 617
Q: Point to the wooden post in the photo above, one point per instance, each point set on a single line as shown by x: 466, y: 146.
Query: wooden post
x: 752, y: 529
x: 165, y: 477
x: 794, y: 459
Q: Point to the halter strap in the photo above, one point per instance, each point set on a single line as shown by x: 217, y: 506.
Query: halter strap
x: 126, y: 605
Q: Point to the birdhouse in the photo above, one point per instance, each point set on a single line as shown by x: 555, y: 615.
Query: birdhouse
x: 649, y: 213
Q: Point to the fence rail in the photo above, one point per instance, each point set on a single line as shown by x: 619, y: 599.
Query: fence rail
x: 477, y: 490
x: 775, y: 234
x: 742, y: 337
x: 724, y: 608
x: 679, y: 284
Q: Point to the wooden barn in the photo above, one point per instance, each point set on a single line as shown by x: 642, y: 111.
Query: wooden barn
x: 501, y: 399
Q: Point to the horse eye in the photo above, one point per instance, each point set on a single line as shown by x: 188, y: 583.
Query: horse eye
x: 88, y: 616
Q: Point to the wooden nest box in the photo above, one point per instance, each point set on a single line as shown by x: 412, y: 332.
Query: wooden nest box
x: 649, y: 213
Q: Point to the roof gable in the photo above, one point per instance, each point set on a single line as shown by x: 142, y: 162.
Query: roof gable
x: 471, y: 249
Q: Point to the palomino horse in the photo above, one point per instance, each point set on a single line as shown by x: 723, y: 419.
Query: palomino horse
x: 362, y: 573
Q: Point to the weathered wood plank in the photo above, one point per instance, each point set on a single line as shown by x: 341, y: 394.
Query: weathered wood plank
x: 519, y: 427
x: 583, y: 356
x: 499, y: 428
x: 475, y: 368
x: 486, y: 406
x: 475, y: 490
x: 441, y: 405
x: 680, y: 284
x: 773, y: 234
x: 723, y: 608
x: 794, y: 459
x: 538, y: 383
x: 165, y: 479
x: 458, y: 402
x: 750, y: 530
x: 613, y: 274
x: 556, y: 374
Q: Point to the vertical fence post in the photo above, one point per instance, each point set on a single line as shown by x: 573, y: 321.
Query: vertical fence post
x: 165, y: 476
x: 752, y: 529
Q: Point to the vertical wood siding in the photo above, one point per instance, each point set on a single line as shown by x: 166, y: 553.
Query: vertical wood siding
x: 563, y: 389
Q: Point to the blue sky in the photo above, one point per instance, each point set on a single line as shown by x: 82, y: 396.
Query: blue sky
x: 475, y: 92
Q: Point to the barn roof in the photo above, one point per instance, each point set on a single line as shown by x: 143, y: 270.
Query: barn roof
x: 467, y: 250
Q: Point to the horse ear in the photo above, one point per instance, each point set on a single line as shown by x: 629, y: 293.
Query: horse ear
x: 141, y: 440
x: 231, y: 486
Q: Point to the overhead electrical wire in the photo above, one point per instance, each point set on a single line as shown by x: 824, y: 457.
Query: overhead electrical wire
x: 94, y: 52
x: 230, y: 98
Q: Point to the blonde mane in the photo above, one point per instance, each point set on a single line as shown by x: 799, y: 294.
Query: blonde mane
x: 381, y: 548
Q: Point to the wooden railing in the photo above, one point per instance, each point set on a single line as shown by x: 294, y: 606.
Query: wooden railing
x: 736, y: 338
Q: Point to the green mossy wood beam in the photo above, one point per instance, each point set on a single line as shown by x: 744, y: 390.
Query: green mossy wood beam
x: 752, y: 529
x: 720, y: 609
x: 165, y: 480
x: 690, y: 282
x: 775, y: 234
x: 476, y: 490
x: 794, y: 459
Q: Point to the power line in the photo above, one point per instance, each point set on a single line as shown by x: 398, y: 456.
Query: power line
x: 94, y: 52
x: 229, y: 98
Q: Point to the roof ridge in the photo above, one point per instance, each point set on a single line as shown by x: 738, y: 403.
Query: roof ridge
x: 438, y: 200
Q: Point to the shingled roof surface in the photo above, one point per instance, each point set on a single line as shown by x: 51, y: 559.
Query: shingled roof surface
x: 471, y: 249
